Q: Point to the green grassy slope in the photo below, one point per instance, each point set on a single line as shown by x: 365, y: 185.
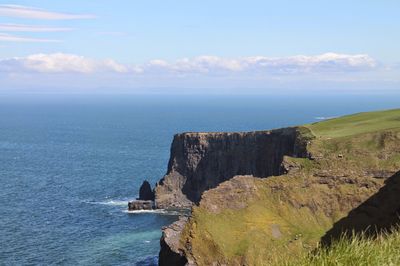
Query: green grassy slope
x: 356, y: 124
x: 358, y: 250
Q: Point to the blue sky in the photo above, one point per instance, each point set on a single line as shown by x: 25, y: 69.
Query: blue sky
x: 348, y: 45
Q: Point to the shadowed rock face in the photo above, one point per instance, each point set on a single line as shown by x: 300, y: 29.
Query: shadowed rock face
x: 145, y: 192
x: 201, y: 161
x: 381, y: 212
x: 170, y: 254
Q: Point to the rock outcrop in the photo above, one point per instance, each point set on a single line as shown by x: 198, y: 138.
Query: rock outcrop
x: 145, y: 200
x: 139, y: 205
x: 145, y: 191
x: 170, y: 253
x: 201, y: 161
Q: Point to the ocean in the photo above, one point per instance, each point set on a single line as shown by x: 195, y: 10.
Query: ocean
x: 69, y: 164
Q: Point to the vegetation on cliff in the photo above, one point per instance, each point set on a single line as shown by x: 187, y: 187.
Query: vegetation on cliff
x: 359, y: 249
x: 348, y: 182
x: 351, y: 125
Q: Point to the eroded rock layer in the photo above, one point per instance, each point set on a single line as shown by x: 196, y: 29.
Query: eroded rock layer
x: 201, y: 161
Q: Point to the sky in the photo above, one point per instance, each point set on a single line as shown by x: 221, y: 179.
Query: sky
x: 265, y: 46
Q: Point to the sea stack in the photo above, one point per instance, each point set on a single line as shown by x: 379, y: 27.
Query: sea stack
x: 145, y: 192
x: 145, y: 200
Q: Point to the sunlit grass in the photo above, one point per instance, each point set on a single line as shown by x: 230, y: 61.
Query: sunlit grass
x: 356, y: 124
x: 355, y: 250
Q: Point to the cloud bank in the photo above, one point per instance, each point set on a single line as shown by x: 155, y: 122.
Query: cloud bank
x: 329, y: 62
x: 68, y: 72
x: 201, y: 65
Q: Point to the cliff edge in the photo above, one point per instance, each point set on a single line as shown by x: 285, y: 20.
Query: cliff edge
x: 201, y: 161
x: 317, y: 175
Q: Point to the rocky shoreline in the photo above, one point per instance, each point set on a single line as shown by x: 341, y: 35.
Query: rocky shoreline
x: 138, y: 205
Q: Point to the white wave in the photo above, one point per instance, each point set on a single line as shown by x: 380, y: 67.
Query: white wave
x: 158, y: 211
x: 112, y: 202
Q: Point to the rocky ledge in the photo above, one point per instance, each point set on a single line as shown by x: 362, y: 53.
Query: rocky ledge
x: 170, y: 253
x: 138, y: 205
x: 145, y: 200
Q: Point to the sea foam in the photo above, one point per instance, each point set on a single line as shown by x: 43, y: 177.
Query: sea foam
x: 158, y: 211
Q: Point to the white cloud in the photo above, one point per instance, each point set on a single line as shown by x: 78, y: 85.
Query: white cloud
x: 12, y: 38
x: 206, y: 64
x: 37, y: 13
x: 69, y: 63
x: 31, y: 28
x: 329, y: 62
x: 202, y: 65
x: 59, y: 63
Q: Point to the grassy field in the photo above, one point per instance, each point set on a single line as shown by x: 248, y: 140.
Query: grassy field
x: 356, y: 124
x: 357, y: 250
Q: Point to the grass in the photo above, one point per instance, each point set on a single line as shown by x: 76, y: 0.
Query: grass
x: 265, y: 231
x: 356, y: 250
x: 366, y: 141
x: 356, y: 124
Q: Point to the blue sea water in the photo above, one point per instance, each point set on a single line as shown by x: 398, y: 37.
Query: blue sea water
x: 70, y: 163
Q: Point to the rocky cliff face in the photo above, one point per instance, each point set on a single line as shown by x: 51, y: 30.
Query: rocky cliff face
x: 201, y: 161
x: 323, y: 180
x: 170, y: 253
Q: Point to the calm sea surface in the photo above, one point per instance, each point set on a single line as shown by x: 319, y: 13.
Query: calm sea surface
x: 69, y: 165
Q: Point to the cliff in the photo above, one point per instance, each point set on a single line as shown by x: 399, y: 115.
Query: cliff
x: 201, y: 161
x: 323, y: 179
